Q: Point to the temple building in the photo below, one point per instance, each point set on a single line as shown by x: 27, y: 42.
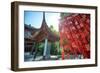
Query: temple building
x: 28, y: 31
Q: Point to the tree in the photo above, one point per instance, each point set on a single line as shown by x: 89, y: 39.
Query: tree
x: 53, y: 30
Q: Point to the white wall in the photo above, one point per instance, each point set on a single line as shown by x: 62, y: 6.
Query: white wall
x: 5, y: 32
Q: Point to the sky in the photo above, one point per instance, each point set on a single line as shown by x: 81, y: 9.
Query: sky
x: 35, y: 19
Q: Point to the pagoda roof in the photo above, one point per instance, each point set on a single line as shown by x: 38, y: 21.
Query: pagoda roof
x: 44, y: 32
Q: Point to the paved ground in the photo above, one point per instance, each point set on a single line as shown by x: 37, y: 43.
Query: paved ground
x: 28, y: 57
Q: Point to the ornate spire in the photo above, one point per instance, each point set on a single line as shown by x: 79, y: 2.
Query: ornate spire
x: 44, y: 24
x: 43, y: 16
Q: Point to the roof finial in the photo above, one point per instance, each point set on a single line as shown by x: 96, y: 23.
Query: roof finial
x: 43, y: 16
x: 43, y: 21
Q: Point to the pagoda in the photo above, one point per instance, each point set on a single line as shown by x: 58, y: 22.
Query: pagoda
x: 44, y: 35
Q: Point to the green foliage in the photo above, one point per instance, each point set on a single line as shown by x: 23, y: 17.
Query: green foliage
x: 51, y: 27
x: 40, y: 48
x: 55, y: 50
